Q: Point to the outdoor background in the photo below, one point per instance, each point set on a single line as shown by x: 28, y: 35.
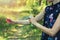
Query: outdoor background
x: 17, y: 10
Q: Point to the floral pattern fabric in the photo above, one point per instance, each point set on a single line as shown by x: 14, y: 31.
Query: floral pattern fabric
x: 51, y: 14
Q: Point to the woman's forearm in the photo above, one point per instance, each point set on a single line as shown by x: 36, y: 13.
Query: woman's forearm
x: 22, y: 22
x: 44, y: 29
x: 50, y: 31
x: 40, y: 15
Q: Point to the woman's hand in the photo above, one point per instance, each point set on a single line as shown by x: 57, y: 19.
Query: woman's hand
x: 32, y: 20
x: 9, y: 21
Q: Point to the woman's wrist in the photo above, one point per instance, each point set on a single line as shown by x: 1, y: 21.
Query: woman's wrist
x: 35, y: 23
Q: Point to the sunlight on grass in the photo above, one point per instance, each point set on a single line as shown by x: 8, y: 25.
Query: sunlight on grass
x: 1, y: 38
x: 14, y: 30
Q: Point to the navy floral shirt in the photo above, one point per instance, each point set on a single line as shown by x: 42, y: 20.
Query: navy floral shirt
x: 50, y: 17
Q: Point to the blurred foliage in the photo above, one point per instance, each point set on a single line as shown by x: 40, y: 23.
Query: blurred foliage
x: 5, y: 27
x: 23, y: 32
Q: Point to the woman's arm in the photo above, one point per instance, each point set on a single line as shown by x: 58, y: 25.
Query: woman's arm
x: 50, y: 31
x: 21, y: 21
